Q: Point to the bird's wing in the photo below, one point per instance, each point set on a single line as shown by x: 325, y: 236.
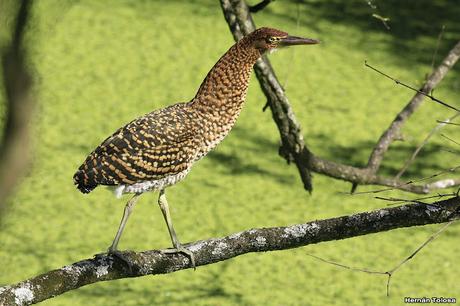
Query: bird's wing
x: 151, y: 147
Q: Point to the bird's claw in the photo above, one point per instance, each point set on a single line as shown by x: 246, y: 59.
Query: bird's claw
x: 181, y: 249
x: 122, y: 257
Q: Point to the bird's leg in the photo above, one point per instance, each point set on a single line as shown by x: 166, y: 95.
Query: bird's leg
x: 178, y: 248
x: 128, y: 209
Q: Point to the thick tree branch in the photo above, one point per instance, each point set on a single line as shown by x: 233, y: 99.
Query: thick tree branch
x: 363, y: 176
x: 293, y: 147
x: 109, y: 267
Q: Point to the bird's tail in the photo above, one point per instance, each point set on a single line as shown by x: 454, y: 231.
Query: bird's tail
x: 80, y: 179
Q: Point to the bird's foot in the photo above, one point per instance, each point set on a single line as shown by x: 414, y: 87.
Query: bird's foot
x: 123, y: 256
x: 181, y: 249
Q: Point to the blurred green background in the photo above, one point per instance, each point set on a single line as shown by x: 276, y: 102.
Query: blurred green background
x: 99, y: 64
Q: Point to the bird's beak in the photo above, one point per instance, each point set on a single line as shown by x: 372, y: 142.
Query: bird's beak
x: 294, y: 40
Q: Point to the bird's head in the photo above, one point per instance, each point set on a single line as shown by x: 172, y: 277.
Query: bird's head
x: 268, y: 39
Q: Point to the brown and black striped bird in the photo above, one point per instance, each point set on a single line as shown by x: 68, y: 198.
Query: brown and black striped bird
x: 158, y: 149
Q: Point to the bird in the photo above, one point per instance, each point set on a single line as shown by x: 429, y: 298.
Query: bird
x: 158, y: 149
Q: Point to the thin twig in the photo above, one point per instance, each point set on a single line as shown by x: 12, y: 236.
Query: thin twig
x: 430, y: 239
x: 445, y: 122
x: 450, y: 139
x: 424, y: 142
x: 455, y: 152
x: 372, y: 5
x: 377, y: 16
x: 259, y: 6
x: 384, y: 20
x: 345, y: 266
x: 391, y: 272
x: 411, y: 87
x: 418, y: 200
x: 411, y: 182
x: 438, y: 42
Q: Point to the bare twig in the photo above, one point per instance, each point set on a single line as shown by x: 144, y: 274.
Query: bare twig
x: 445, y: 122
x: 135, y: 264
x: 424, y: 142
x: 384, y: 20
x: 15, y: 143
x: 417, y: 200
x: 450, y: 139
x: 398, y: 82
x: 438, y: 42
x: 431, y: 238
x: 391, y: 272
x: 345, y: 266
x: 426, y: 188
x: 372, y: 5
x: 259, y: 6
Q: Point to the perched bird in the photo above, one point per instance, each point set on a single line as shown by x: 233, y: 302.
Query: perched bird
x: 158, y: 149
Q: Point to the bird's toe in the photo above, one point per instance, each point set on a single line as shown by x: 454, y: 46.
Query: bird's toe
x: 124, y: 258
x: 181, y: 249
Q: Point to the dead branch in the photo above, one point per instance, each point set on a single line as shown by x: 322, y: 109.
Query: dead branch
x: 15, y: 142
x: 293, y: 147
x: 135, y: 264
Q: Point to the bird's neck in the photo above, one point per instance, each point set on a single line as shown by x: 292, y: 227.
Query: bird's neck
x: 224, y: 88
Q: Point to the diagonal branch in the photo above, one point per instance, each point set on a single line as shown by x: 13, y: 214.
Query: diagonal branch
x: 394, y: 129
x: 109, y: 267
x: 293, y: 147
x: 259, y: 6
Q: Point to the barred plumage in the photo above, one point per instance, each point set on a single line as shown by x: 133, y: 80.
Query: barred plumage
x: 151, y: 147
x: 158, y: 149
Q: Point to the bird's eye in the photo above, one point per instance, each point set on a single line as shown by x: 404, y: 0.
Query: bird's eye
x: 272, y: 39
